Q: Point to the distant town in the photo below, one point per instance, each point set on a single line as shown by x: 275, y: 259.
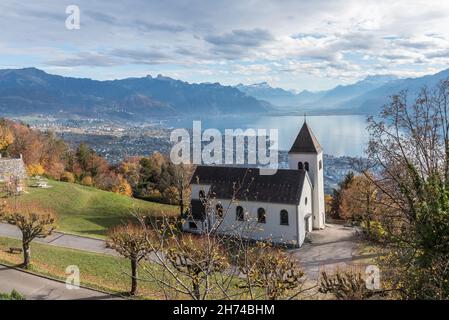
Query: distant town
x: 118, y: 140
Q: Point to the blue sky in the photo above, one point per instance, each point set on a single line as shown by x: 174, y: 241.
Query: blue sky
x: 296, y: 45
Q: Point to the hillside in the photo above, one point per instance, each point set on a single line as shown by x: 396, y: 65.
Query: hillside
x: 363, y: 97
x: 33, y: 91
x: 89, y: 211
x: 371, y: 101
x: 310, y: 100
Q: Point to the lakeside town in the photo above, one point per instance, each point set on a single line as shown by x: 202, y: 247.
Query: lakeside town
x: 118, y: 140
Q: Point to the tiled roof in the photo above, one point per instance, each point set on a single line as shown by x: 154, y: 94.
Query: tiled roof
x: 306, y: 142
x: 246, y: 184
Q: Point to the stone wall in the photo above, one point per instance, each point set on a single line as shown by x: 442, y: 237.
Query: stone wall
x: 12, y: 168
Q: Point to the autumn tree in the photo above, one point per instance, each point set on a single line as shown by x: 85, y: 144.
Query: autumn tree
x: 336, y: 198
x: 130, y: 169
x: 196, y: 259
x: 272, y: 270
x: 68, y: 177
x: 40, y: 150
x: 347, y: 285
x: 33, y: 222
x: 130, y: 241
x: 121, y: 186
x: 410, y: 143
x: 187, y: 265
x: 359, y: 200
x: 159, y: 179
x: 6, y: 136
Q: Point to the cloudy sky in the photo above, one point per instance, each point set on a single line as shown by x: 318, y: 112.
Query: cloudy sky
x: 291, y: 44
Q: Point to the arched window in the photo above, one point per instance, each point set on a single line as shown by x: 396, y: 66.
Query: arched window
x: 284, y: 217
x: 306, y: 201
x: 300, y: 166
x: 219, y: 210
x: 239, y: 214
x: 201, y: 195
x: 192, y: 225
x: 306, y: 166
x: 261, y: 217
x: 321, y: 164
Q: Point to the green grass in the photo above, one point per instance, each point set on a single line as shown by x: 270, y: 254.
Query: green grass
x: 89, y: 211
x: 14, y: 295
x: 97, y: 271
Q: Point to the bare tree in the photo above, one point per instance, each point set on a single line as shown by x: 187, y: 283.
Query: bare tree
x: 219, y: 262
x: 187, y: 265
x: 347, y: 285
x: 32, y: 220
x: 271, y: 270
x: 130, y: 241
x: 410, y: 143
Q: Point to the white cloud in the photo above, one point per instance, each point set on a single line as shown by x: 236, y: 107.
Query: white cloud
x: 343, y: 40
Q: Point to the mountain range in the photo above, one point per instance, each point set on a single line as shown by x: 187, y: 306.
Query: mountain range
x: 363, y: 97
x: 31, y: 91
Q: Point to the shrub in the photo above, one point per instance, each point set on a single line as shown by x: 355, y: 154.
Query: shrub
x: 344, y: 285
x: 68, y: 177
x: 122, y: 187
x: 35, y: 170
x: 87, y: 181
x: 373, y: 230
x: 171, y: 195
x: 14, y: 295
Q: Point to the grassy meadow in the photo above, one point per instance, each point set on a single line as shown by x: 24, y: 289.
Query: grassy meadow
x: 88, y: 211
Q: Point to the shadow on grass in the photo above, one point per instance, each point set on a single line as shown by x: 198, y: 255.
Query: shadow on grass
x: 105, y: 223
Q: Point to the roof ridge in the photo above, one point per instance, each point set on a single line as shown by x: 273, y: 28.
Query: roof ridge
x: 285, y: 186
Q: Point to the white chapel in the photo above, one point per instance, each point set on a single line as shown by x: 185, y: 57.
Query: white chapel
x: 280, y: 208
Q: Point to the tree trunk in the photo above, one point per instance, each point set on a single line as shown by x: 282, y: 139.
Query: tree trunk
x: 181, y: 198
x: 133, y: 277
x: 26, y: 254
x: 196, y: 289
x: 181, y: 193
x: 368, y: 213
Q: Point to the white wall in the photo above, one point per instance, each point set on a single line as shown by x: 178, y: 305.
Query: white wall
x: 306, y: 208
x: 272, y: 230
x: 317, y: 177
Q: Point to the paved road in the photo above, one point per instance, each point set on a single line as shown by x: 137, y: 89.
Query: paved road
x: 37, y: 288
x: 331, y: 248
x: 62, y: 240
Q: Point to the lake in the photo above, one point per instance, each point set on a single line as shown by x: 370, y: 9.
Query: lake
x: 339, y: 135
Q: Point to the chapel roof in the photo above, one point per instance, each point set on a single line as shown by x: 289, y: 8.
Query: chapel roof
x: 247, y: 184
x: 305, y: 142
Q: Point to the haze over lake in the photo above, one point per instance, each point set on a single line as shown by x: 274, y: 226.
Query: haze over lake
x: 342, y: 135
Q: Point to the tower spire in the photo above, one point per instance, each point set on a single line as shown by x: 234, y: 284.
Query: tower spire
x: 305, y: 142
x: 305, y: 117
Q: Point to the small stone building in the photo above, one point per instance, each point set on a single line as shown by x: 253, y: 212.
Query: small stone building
x: 13, y: 173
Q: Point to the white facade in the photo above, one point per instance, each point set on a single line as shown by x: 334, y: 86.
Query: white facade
x: 316, y: 174
x: 293, y: 233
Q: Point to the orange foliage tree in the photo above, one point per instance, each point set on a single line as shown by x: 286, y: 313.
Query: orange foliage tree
x: 33, y: 222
